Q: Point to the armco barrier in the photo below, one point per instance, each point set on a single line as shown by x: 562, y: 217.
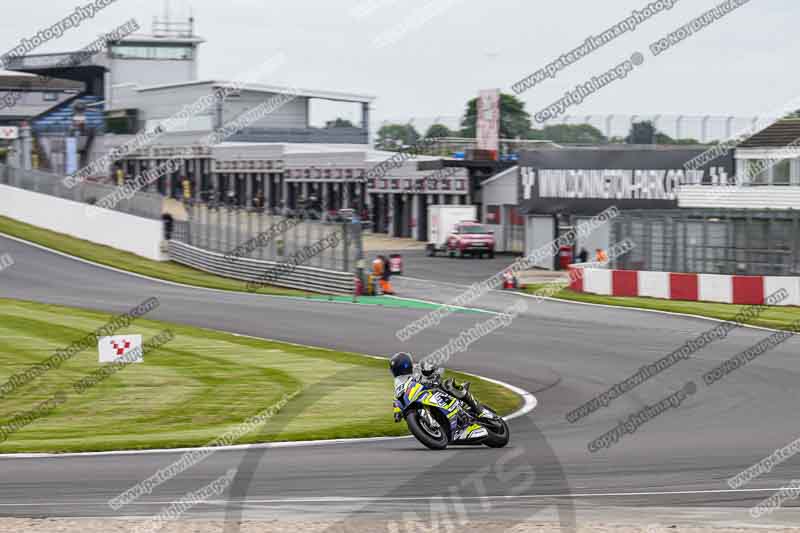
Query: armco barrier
x: 744, y: 290
x: 245, y: 269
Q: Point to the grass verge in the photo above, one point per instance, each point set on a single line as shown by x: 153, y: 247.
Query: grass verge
x: 105, y: 255
x: 192, y: 389
x: 775, y: 317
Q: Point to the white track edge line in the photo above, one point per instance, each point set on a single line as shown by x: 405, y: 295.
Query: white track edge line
x: 361, y: 499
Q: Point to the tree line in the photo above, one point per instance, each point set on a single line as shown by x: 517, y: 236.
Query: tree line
x: 515, y: 123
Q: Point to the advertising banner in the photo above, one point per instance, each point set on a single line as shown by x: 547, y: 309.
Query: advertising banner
x: 488, y: 121
x: 587, y: 181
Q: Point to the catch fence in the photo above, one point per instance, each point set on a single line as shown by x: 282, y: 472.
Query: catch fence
x: 711, y: 241
x: 142, y: 204
x: 259, y: 234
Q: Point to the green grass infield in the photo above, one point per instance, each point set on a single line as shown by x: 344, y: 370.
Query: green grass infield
x: 198, y: 386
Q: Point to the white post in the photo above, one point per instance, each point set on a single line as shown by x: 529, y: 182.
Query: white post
x: 417, y: 214
x: 390, y: 212
x: 345, y: 195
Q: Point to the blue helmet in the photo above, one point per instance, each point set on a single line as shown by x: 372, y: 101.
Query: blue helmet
x: 401, y: 364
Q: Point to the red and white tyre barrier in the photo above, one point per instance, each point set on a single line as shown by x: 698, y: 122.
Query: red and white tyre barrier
x: 746, y: 290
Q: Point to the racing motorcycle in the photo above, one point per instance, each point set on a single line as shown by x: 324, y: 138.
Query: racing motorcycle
x: 438, y: 413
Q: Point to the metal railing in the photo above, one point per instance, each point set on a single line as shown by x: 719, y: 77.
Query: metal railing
x: 146, y: 205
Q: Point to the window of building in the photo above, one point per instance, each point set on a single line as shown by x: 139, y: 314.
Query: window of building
x: 757, y: 172
x: 781, y: 172
x: 125, y: 51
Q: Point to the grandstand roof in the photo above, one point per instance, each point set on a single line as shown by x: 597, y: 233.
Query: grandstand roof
x: 12, y: 79
x: 272, y: 89
x: 15, y: 74
x: 27, y: 89
x: 73, y: 59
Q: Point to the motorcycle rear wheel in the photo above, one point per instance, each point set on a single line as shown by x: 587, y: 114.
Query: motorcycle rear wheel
x: 433, y: 438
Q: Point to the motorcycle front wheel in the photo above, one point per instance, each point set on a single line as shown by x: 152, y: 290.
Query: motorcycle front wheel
x: 498, y: 437
x: 432, y: 435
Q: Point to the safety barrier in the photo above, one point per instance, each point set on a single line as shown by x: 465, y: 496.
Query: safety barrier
x: 122, y: 231
x: 745, y: 290
x: 245, y: 269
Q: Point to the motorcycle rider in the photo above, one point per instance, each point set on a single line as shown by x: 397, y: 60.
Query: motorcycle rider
x: 403, y: 368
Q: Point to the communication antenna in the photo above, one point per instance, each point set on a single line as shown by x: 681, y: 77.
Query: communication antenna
x: 166, y: 27
x: 191, y: 20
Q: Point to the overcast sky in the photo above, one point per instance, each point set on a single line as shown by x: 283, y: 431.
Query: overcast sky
x: 433, y: 55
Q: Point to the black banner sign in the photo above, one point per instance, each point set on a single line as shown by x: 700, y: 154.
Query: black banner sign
x: 587, y: 181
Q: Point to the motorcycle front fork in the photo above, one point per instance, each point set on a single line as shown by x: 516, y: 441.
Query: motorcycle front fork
x: 429, y: 418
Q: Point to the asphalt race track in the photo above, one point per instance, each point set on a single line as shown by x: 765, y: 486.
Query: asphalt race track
x: 564, y: 353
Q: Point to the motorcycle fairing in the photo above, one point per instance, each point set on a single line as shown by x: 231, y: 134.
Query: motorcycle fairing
x: 414, y: 392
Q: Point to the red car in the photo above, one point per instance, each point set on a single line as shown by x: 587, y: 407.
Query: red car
x: 470, y: 238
